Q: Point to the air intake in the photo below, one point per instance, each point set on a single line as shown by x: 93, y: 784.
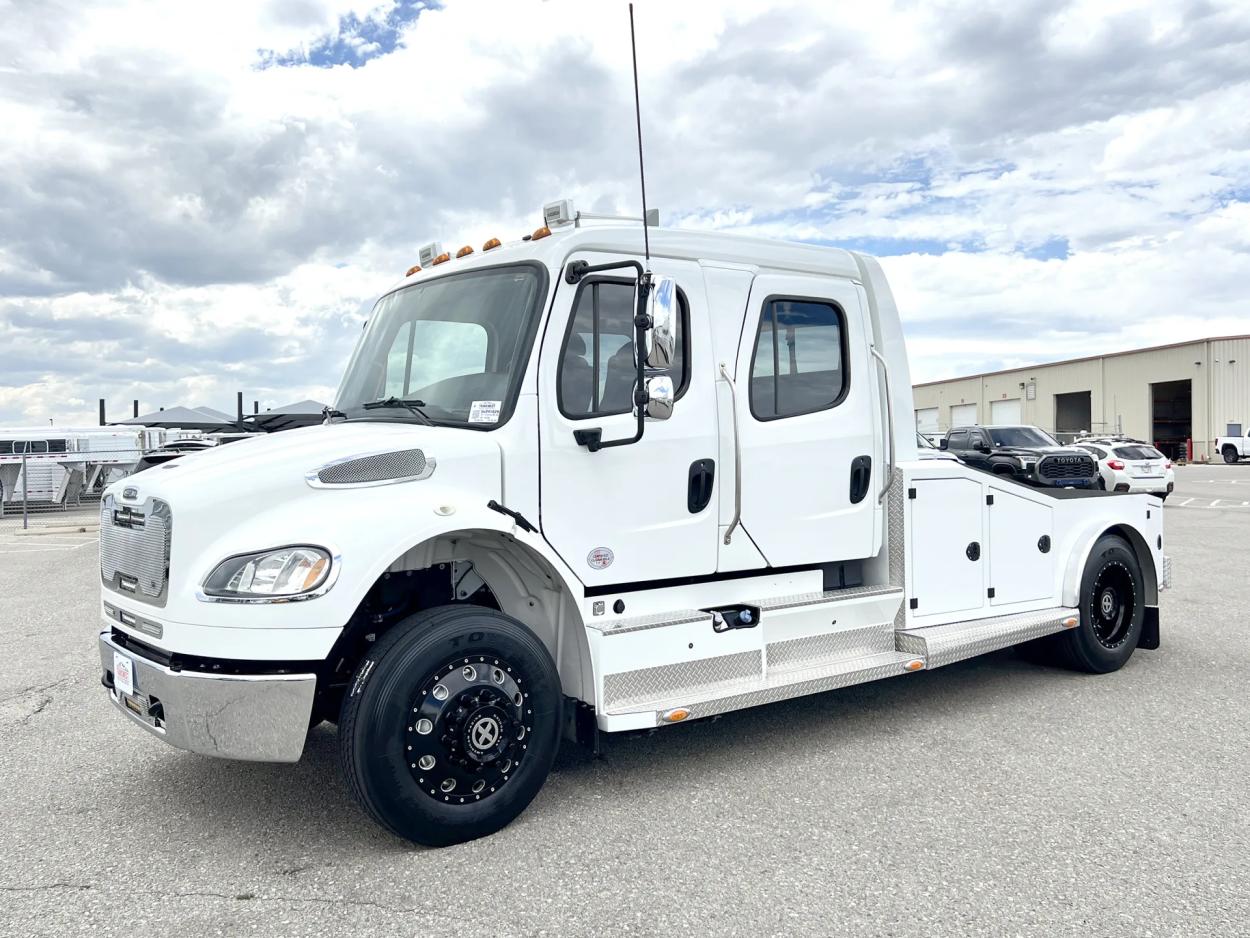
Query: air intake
x: 405, y: 465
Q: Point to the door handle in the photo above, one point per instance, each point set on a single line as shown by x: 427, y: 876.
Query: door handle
x: 699, y: 484
x: 861, y: 475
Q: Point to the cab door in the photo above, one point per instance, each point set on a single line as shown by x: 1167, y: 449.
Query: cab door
x: 645, y: 511
x: 809, y: 424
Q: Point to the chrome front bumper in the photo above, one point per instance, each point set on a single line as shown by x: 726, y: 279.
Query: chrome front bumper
x: 259, y: 718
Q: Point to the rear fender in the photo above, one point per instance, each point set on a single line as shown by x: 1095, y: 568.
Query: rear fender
x: 1084, y: 546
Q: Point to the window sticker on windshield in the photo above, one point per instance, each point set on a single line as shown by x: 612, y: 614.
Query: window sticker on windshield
x: 484, y: 412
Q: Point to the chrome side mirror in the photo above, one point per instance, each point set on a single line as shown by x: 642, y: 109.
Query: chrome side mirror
x: 660, y: 397
x: 662, y: 336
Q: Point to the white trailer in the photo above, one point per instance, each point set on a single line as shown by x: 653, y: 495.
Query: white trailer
x: 567, y: 492
x: 64, y: 463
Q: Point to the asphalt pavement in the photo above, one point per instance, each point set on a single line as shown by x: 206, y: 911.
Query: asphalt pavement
x: 992, y: 797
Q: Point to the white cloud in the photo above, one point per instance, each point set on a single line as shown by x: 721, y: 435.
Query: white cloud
x: 180, y: 222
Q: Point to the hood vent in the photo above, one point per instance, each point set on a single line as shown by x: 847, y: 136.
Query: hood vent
x: 405, y: 465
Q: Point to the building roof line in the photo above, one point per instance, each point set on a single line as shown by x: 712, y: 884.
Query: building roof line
x: 1087, y: 358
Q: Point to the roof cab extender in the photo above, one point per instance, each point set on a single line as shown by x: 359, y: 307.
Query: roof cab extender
x: 563, y: 492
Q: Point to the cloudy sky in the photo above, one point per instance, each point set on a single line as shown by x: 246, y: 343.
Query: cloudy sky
x: 202, y: 198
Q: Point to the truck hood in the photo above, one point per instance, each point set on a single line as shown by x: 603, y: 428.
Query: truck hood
x: 251, y: 471
x: 1040, y: 451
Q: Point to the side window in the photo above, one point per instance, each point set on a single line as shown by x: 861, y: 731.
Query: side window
x: 597, y: 370
x: 428, y: 351
x: 980, y: 437
x: 958, y: 439
x: 38, y: 446
x: 799, y: 365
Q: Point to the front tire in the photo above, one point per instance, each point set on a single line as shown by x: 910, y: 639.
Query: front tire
x: 1112, y: 610
x: 451, y: 725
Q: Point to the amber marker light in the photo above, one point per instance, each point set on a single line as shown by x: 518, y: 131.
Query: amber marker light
x: 464, y: 251
x: 491, y: 244
x: 414, y: 269
x: 542, y: 232
x: 914, y: 665
x: 1071, y: 622
x: 442, y: 258
x: 675, y: 715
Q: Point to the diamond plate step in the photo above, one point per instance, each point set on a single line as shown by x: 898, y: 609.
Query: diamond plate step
x: 740, y: 694
x: 945, y: 644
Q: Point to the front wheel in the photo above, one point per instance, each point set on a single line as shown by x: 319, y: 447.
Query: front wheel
x: 1112, y: 610
x: 451, y: 724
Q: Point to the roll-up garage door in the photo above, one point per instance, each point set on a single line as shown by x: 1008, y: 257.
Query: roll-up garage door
x: 1005, y: 412
x: 927, y: 420
x: 963, y: 415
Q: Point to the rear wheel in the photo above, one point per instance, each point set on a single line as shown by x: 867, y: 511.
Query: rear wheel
x: 1112, y: 610
x: 1230, y: 454
x: 451, y: 724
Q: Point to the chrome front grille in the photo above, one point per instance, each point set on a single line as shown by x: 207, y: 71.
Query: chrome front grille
x: 134, y: 549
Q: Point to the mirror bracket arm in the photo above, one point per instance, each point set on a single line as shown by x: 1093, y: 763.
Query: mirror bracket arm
x: 576, y: 270
x: 592, y: 438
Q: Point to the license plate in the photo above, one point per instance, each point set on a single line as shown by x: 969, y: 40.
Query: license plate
x: 123, y: 673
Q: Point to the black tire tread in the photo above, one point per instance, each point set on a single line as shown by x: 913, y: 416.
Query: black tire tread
x: 352, y: 711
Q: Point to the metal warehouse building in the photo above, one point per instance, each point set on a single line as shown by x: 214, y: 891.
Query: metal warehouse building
x: 1167, y: 394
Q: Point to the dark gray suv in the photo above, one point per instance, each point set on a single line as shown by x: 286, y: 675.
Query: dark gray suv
x: 1028, y: 454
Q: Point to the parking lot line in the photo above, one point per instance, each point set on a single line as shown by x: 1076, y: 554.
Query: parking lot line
x: 1186, y: 502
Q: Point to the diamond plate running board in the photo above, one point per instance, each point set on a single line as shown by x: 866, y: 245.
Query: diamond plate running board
x: 792, y: 683
x: 945, y: 644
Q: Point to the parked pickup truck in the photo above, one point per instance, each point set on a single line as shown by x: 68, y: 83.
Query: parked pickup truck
x: 1028, y: 454
x: 568, y: 490
x: 1233, y: 448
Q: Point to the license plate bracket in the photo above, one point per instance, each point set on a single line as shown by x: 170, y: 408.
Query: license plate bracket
x: 123, y: 674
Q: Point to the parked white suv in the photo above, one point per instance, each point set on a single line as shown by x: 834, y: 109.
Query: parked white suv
x: 1131, y: 466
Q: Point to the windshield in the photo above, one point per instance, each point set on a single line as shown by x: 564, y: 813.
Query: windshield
x: 455, y: 347
x: 923, y: 442
x: 1021, y: 436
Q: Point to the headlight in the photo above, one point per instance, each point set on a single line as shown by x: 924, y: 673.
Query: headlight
x: 285, y: 572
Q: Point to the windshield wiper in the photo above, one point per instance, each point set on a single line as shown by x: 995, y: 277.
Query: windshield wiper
x: 413, y: 406
x: 329, y: 413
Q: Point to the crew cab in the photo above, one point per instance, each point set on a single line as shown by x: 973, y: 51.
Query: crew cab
x: 572, y: 486
x: 1028, y: 454
x: 1127, y: 465
x: 1233, y: 448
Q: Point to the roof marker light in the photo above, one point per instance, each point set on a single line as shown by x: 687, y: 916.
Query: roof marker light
x: 491, y: 244
x: 414, y: 269
x: 543, y: 232
x: 441, y: 259
x: 464, y: 251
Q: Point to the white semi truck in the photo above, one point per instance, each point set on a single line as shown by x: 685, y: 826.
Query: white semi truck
x: 567, y: 491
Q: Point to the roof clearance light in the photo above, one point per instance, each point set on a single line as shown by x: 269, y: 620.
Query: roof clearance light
x: 464, y: 251
x: 441, y: 259
x: 543, y: 232
x: 414, y: 269
x: 427, y: 253
x: 491, y: 244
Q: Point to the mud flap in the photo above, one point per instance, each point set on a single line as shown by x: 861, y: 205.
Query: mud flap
x: 1149, y: 639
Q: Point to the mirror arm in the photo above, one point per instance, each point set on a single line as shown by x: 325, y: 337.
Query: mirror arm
x: 579, y: 269
x: 592, y: 438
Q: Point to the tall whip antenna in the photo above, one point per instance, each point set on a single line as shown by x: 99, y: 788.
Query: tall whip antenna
x: 642, y: 176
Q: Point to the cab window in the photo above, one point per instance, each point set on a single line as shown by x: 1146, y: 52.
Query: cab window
x: 597, y: 369
x: 799, y: 365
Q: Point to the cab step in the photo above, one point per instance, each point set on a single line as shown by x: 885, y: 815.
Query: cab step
x: 728, y: 695
x: 945, y: 644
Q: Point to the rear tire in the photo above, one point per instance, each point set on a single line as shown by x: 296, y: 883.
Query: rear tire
x: 1230, y: 454
x: 1112, y: 610
x: 451, y: 725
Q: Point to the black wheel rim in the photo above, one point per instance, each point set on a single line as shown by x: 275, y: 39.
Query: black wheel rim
x: 1111, y: 605
x: 468, y: 730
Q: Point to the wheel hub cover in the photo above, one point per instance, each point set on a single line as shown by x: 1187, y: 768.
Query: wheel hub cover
x: 1107, y: 603
x: 484, y: 734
